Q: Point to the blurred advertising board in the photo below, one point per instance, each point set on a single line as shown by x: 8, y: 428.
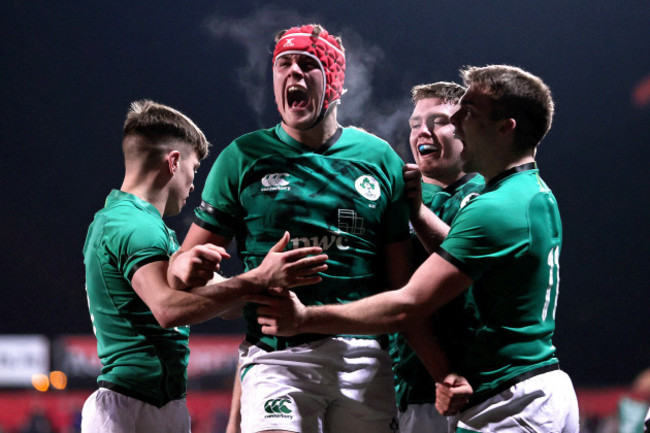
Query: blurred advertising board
x: 21, y: 357
x: 213, y: 359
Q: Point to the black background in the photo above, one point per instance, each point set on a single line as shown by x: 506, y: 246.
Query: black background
x: 69, y: 70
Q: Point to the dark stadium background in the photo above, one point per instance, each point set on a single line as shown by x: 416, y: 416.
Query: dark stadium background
x: 68, y: 71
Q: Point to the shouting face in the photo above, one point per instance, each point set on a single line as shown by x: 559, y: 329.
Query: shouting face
x: 299, y: 88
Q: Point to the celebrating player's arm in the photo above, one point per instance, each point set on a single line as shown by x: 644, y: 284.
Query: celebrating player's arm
x: 407, y: 309
x: 196, y: 304
x: 430, y: 229
x: 431, y: 286
x: 195, y: 267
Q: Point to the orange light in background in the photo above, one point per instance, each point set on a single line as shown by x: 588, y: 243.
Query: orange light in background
x: 641, y: 93
x: 58, y: 379
x: 40, y: 382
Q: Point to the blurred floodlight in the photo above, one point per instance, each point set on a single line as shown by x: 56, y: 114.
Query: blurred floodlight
x: 40, y: 382
x: 58, y: 379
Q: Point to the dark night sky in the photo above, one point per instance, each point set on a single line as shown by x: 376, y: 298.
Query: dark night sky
x: 69, y: 70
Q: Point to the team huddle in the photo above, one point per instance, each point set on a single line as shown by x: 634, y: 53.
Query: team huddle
x: 378, y: 296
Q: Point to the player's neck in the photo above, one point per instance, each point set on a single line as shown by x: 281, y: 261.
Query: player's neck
x: 314, y: 137
x: 497, y: 169
x: 144, y: 187
x: 443, y: 182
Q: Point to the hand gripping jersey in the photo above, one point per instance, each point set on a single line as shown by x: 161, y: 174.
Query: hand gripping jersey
x: 413, y: 383
x: 508, y: 241
x: 140, y: 359
x: 347, y: 197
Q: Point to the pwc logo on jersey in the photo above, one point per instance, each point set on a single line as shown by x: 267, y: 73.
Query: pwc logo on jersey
x: 325, y: 242
x: 368, y: 187
x: 275, y: 182
x: 278, y: 408
x: 349, y: 223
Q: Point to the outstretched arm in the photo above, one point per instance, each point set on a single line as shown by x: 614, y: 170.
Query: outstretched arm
x: 434, y: 283
x: 408, y: 310
x: 177, y: 307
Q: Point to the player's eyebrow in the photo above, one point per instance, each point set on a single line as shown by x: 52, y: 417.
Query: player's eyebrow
x: 467, y: 102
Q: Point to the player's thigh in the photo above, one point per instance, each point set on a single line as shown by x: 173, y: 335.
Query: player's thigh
x: 333, y: 378
x: 355, y: 417
x: 545, y: 404
x: 274, y: 397
x: 419, y: 418
x: 174, y: 417
x: 366, y: 398
x: 107, y: 411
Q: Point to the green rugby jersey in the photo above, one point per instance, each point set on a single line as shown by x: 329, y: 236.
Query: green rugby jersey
x: 139, y: 358
x: 413, y: 383
x: 508, y: 241
x: 347, y: 197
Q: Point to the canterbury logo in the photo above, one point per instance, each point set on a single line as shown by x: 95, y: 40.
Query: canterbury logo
x: 275, y: 179
x: 277, y: 405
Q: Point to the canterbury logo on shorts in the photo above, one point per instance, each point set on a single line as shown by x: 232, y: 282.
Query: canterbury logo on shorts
x: 278, y: 407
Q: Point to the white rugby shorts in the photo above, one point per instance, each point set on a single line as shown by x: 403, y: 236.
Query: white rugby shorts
x: 545, y: 403
x: 418, y: 418
x: 107, y: 411
x: 332, y: 385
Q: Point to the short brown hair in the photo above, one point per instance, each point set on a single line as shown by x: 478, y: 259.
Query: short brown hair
x: 517, y: 94
x: 448, y: 92
x: 158, y: 123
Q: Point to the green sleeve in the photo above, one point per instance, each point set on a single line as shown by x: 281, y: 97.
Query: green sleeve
x: 482, y: 235
x: 141, y: 244
x: 396, y: 221
x: 220, y: 208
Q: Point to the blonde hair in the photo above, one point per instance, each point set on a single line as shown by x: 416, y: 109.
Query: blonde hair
x: 448, y: 92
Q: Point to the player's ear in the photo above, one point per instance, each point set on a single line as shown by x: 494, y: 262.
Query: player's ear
x: 173, y: 160
x: 507, y: 126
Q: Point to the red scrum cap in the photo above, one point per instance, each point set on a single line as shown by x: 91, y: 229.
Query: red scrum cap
x: 314, y: 41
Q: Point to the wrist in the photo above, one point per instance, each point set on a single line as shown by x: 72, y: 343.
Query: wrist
x: 173, y: 280
x: 416, y: 213
x: 254, y: 280
x: 306, y: 321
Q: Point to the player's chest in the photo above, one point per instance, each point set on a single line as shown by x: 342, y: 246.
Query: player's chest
x: 319, y: 187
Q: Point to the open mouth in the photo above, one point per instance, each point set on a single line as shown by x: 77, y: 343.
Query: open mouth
x: 297, y: 97
x: 426, y: 149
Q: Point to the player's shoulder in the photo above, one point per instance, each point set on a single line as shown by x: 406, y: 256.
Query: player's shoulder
x: 470, y: 189
x: 251, y: 140
x: 246, y: 148
x: 475, y: 184
x: 368, y: 146
x: 253, y: 136
x: 363, y: 137
x: 126, y: 217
